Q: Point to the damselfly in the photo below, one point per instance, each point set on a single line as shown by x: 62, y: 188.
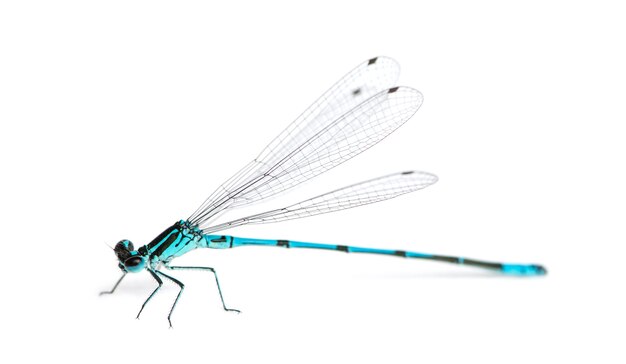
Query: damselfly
x: 358, y: 111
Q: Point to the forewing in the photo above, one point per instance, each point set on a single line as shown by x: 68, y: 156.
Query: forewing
x: 361, y: 84
x: 348, y: 136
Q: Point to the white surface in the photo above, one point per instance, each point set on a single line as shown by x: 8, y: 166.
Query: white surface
x: 119, y: 118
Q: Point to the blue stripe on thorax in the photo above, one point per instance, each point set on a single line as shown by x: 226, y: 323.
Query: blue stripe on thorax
x: 175, y: 241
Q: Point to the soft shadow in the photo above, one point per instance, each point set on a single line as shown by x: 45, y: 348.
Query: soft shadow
x: 137, y: 287
x: 450, y: 275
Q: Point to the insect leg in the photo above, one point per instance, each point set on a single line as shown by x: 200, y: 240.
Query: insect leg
x: 182, y: 287
x: 216, y: 281
x: 115, y: 286
x: 160, y: 282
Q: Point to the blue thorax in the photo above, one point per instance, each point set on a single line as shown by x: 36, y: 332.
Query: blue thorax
x: 175, y: 241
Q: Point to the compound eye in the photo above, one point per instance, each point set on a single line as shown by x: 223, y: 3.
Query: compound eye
x: 133, y: 262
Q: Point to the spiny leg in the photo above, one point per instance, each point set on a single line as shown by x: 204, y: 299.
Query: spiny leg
x: 182, y: 287
x: 115, y: 286
x: 216, y: 281
x: 160, y: 282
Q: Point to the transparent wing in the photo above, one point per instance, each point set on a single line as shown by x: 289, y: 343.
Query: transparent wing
x: 365, y: 80
x: 254, y: 182
x: 351, y: 134
x: 375, y: 190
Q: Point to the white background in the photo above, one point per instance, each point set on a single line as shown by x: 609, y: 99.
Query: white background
x: 118, y: 118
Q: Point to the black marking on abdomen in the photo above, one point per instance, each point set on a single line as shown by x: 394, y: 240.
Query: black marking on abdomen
x: 343, y: 248
x: 392, y: 90
x: 284, y: 243
x: 481, y: 263
x: 372, y: 61
x: 221, y: 239
x: 444, y: 258
x: 400, y: 253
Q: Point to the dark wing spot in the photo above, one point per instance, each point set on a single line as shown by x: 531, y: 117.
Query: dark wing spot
x: 372, y: 61
x: 392, y: 90
x: 356, y: 92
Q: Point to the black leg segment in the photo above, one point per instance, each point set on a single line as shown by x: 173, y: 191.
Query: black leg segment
x: 182, y: 287
x: 160, y: 282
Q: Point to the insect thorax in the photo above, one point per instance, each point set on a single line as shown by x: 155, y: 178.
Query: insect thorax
x: 175, y: 241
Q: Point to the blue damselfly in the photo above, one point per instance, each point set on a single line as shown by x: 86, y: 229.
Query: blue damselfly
x: 358, y: 111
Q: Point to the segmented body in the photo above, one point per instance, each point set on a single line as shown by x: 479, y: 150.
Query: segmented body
x: 357, y: 112
x: 182, y: 237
